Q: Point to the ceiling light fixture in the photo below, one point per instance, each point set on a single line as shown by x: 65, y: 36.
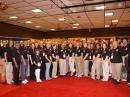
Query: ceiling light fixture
x: 52, y: 29
x: 108, y: 14
x: 75, y: 27
x: 106, y: 26
x: 76, y: 24
x: 115, y: 21
x: 28, y: 22
x: 100, y: 7
x: 37, y: 10
x: 13, y: 17
x: 62, y: 19
x: 37, y: 26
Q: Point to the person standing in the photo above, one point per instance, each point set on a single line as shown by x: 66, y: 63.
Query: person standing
x: 24, y: 60
x: 31, y: 59
x: 37, y: 62
x: 116, y: 63
x: 78, y: 60
x: 105, y: 62
x: 96, y: 68
x: 91, y: 54
x: 128, y: 67
x: 55, y: 58
x: 125, y: 58
x: 8, y: 60
x: 85, y: 60
x: 62, y: 60
x: 2, y: 62
x: 48, y: 60
x: 71, y: 59
x: 16, y: 60
x: 43, y: 66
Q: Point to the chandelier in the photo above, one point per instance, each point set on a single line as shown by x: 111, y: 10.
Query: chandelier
x: 3, y: 5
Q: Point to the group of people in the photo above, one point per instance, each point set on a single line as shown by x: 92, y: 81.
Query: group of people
x: 103, y: 60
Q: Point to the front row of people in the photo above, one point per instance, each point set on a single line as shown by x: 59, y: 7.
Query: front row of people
x: 107, y: 60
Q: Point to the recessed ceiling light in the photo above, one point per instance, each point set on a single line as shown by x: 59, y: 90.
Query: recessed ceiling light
x: 52, y: 29
x: 108, y: 14
x: 106, y: 26
x: 76, y: 24
x: 13, y: 17
x: 28, y: 22
x: 37, y: 10
x: 100, y: 7
x: 62, y: 19
x: 37, y: 26
x: 115, y: 21
x: 75, y: 27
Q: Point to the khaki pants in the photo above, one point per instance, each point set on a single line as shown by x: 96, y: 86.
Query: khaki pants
x: 62, y: 65
x: 110, y: 69
x: 67, y: 65
x: 96, y: 68
x: 79, y: 66
x: 9, y: 72
x: 116, y: 70
x: 86, y: 67
x: 54, y: 69
x: 71, y: 64
x: 105, y: 67
x: 3, y: 70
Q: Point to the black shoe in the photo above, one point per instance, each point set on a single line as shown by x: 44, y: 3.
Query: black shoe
x: 3, y: 83
x: 74, y: 73
x: 61, y: 75
x: 16, y: 84
x: 116, y: 82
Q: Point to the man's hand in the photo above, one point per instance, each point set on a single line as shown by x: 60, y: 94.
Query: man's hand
x: 16, y: 66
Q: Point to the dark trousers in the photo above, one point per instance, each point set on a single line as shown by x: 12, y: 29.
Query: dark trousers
x: 42, y: 72
x: 128, y: 70
x: 16, y: 74
x: 32, y: 72
x: 128, y: 76
x: 90, y: 65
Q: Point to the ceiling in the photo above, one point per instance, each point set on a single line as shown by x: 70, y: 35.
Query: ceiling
x: 82, y: 12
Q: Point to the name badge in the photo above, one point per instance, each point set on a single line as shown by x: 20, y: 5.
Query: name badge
x: 38, y: 64
x: 64, y: 55
x: 43, y: 54
x: 93, y: 57
x: 111, y: 57
x: 116, y: 50
x: 98, y: 55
